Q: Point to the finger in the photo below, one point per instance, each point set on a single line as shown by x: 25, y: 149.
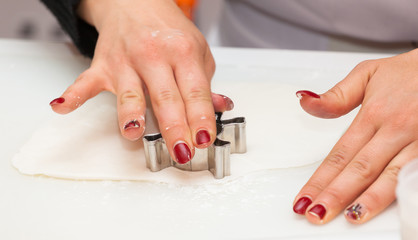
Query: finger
x: 382, y: 192
x: 222, y: 103
x: 343, y: 97
x: 352, y: 141
x: 356, y: 177
x: 358, y: 134
x: 131, y: 104
x: 195, y: 90
x: 210, y: 65
x: 86, y: 86
x: 170, y: 111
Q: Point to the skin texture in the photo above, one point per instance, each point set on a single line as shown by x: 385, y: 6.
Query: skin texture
x: 149, y: 46
x: 362, y: 167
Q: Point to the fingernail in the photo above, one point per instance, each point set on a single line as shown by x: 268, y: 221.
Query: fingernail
x: 354, y: 212
x: 132, y: 124
x: 57, y: 101
x: 318, y: 210
x: 302, y: 93
x: 301, y: 205
x: 202, y: 137
x: 229, y: 102
x: 182, y: 153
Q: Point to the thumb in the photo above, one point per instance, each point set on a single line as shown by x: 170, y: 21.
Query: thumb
x: 343, y: 97
x: 86, y: 86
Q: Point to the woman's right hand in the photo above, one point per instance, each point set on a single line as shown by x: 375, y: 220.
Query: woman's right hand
x: 150, y: 46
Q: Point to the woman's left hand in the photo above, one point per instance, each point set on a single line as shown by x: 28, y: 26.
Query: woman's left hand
x: 359, y: 175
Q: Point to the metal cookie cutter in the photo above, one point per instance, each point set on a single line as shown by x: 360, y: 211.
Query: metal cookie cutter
x: 231, y: 138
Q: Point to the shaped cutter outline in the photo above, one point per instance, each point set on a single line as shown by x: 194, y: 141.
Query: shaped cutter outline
x: 231, y: 138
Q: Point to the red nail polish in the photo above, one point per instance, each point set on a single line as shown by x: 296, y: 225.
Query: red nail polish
x: 318, y: 210
x: 301, y: 205
x: 182, y: 153
x: 202, y: 137
x: 302, y: 93
x: 229, y: 103
x: 132, y: 124
x: 57, y: 101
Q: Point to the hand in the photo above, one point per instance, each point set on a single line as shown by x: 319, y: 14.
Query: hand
x: 149, y: 45
x: 360, y: 173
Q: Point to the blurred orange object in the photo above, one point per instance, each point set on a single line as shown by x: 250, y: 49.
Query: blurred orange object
x: 187, y: 6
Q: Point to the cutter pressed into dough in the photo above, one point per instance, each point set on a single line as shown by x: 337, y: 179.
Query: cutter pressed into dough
x: 231, y: 138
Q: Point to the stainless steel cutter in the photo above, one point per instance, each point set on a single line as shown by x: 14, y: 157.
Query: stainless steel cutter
x: 231, y: 138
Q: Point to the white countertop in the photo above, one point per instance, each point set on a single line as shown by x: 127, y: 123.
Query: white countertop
x: 33, y: 73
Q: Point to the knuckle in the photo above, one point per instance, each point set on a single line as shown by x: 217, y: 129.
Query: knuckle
x: 391, y: 172
x: 398, y: 125
x: 184, y: 48
x: 314, y: 185
x: 402, y: 123
x: 337, y: 160
x: 116, y: 60
x: 366, y: 64
x: 371, y: 112
x: 154, y: 48
x: 148, y: 49
x: 165, y: 96
x: 197, y: 95
x: 367, y: 67
x: 130, y: 96
x: 363, y: 168
x: 337, y: 91
x: 211, y: 67
x: 338, y: 94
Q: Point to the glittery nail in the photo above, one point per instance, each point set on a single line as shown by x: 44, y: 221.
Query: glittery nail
x: 354, y: 212
x: 132, y: 124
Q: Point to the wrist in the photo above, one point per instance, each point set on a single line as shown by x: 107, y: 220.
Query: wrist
x: 92, y: 11
x: 95, y: 12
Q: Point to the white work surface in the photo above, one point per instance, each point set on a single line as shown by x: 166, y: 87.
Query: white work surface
x: 257, y: 206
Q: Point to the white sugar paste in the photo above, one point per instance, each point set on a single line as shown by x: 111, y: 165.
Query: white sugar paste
x: 86, y: 144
